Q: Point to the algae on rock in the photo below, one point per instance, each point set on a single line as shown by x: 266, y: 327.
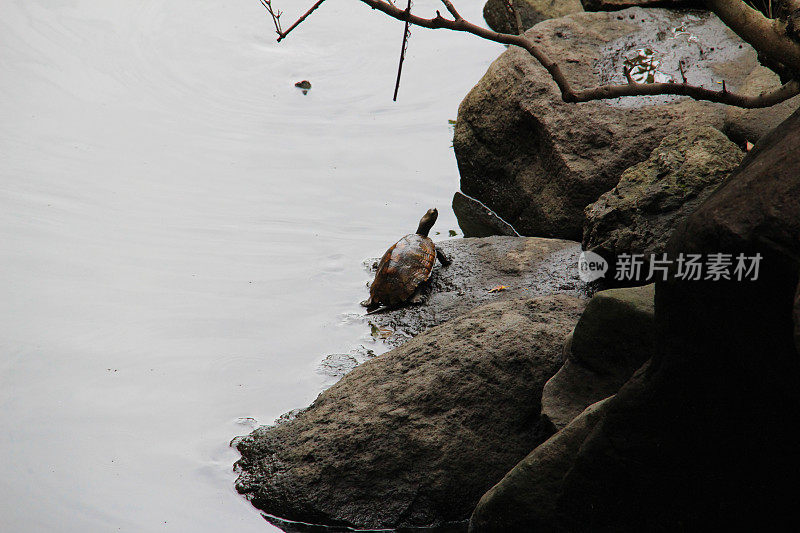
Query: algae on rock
x: 640, y: 213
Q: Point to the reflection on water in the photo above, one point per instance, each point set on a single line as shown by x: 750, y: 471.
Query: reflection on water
x: 174, y: 209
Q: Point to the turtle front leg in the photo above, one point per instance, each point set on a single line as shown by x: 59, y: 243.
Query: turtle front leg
x: 443, y: 259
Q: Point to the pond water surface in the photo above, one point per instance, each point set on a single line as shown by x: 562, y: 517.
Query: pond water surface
x: 182, y: 232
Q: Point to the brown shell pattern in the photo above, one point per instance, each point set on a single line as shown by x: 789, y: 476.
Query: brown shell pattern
x: 403, y: 267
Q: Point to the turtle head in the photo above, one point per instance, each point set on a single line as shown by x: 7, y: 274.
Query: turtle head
x: 427, y: 222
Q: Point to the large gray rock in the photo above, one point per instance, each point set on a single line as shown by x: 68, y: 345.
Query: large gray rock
x: 703, y: 439
x: 538, y: 161
x: 743, y: 125
x: 530, y: 12
x: 614, y: 5
x: 477, y: 220
x: 524, y: 267
x: 640, y: 213
x: 415, y: 436
x: 613, y: 338
x: 525, y: 499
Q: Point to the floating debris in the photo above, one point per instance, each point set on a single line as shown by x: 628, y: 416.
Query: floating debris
x: 680, y: 31
x: 304, y: 86
x: 644, y: 66
x: 369, y: 352
x: 248, y: 421
x: 452, y: 232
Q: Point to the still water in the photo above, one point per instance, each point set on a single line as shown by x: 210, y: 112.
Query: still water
x: 182, y: 231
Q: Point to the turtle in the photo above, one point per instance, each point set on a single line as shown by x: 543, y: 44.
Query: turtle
x: 405, y: 266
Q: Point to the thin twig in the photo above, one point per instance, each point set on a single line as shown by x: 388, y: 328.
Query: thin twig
x: 276, y: 15
x: 512, y: 10
x: 683, y: 74
x: 628, y: 76
x: 451, y: 8
x: 301, y: 19
x: 406, y: 34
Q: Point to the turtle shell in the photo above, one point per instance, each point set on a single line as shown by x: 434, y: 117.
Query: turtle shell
x: 403, y: 267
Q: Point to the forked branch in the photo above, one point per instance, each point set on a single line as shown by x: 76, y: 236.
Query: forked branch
x: 276, y: 15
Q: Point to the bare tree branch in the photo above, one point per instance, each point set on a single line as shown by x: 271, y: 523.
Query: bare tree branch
x: 777, y: 96
x: 459, y: 24
x: 770, y: 43
x: 276, y: 15
x: 598, y: 93
x: 767, y: 36
x: 404, y: 46
x: 449, y: 5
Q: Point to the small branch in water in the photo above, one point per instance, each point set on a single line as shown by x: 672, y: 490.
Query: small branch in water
x: 406, y: 35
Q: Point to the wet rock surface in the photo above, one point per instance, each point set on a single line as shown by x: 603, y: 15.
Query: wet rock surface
x: 701, y: 436
x: 483, y: 270
x: 537, y: 161
x: 614, y: 5
x: 337, y: 365
x: 640, y: 213
x: 530, y: 12
x: 525, y: 499
x: 415, y: 436
x: 614, y: 337
x: 749, y: 125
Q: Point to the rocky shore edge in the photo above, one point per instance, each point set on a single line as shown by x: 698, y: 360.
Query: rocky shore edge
x: 662, y: 404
